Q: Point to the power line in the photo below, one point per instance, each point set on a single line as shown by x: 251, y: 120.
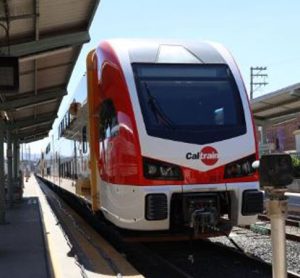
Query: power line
x: 256, y: 73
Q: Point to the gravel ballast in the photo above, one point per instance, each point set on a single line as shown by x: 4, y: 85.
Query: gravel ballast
x: 260, y: 246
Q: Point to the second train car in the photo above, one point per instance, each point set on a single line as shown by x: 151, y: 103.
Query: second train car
x: 160, y: 137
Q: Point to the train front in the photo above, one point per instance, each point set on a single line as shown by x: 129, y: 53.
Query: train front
x: 191, y: 162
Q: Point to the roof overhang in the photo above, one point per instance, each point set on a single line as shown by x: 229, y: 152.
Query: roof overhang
x: 46, y: 37
x: 277, y: 106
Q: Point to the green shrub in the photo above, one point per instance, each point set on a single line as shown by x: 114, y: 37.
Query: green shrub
x: 296, y: 166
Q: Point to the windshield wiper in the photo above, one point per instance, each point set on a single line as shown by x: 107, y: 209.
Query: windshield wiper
x: 160, y: 116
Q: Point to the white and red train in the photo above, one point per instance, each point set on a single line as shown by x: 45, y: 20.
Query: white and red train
x: 164, y: 141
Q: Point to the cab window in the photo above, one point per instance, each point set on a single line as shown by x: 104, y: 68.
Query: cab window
x: 84, y: 140
x: 109, y: 126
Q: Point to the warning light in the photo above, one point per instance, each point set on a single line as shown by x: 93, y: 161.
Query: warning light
x: 276, y: 170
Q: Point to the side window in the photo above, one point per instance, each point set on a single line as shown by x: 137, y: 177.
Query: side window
x: 48, y: 148
x: 109, y: 126
x: 84, y: 140
x: 67, y: 119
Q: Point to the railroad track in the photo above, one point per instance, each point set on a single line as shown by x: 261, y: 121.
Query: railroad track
x: 148, y: 263
x: 290, y: 221
x: 292, y: 227
x: 256, y: 244
x: 294, y: 217
x: 76, y: 230
x: 200, y: 259
x: 175, y: 259
x: 204, y: 259
x: 255, y: 261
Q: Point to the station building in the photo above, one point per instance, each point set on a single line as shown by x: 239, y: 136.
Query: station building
x: 277, y: 119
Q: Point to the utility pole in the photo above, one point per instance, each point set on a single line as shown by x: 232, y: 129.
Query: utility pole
x: 256, y: 72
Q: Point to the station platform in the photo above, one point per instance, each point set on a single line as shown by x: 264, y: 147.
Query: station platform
x: 33, y: 244
x: 22, y: 243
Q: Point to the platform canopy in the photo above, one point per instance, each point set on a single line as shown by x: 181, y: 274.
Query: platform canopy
x: 277, y: 106
x: 46, y: 36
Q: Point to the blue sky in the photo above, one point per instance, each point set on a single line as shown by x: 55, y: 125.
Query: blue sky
x: 258, y: 33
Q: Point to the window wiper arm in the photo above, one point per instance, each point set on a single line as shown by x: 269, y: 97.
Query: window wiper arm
x: 160, y: 116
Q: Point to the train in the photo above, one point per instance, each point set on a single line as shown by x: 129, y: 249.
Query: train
x: 159, y: 137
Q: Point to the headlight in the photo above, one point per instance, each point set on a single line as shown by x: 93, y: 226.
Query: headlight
x: 154, y: 169
x: 240, y: 168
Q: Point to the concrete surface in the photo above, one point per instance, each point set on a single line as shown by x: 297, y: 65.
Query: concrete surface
x: 22, y: 246
x: 33, y: 244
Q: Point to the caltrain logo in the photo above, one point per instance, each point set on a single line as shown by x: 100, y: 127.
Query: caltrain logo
x: 208, y: 155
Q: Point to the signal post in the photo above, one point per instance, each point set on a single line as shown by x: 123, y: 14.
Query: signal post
x: 275, y: 174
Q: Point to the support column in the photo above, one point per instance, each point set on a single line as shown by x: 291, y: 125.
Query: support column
x: 19, y: 165
x: 16, y: 153
x: 2, y: 184
x: 264, y: 134
x: 264, y: 146
x: 17, y: 176
x: 297, y: 139
x: 9, y: 168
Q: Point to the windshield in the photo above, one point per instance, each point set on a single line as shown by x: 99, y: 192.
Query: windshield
x: 189, y: 103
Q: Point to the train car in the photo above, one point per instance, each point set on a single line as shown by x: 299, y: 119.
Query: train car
x: 171, y: 138
x: 64, y: 161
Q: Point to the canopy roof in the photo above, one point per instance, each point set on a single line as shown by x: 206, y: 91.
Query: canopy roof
x: 47, y: 37
x: 277, y: 106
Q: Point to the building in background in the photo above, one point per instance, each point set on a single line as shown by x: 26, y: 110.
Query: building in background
x: 277, y: 117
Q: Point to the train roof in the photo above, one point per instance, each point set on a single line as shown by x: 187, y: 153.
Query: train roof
x: 169, y: 51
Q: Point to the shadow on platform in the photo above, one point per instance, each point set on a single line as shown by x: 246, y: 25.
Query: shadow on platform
x: 22, y: 244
